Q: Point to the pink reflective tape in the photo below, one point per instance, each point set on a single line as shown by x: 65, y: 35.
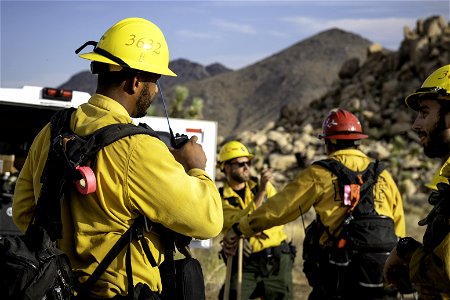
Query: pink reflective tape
x: 88, y: 184
x: 347, y: 195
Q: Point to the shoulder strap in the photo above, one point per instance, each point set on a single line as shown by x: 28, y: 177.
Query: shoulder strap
x: 67, y: 150
x: 366, y: 179
x: 48, y: 209
x: 135, y: 231
x: 80, y: 150
x: 344, y: 174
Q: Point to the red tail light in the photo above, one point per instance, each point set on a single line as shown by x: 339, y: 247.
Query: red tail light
x: 57, y: 94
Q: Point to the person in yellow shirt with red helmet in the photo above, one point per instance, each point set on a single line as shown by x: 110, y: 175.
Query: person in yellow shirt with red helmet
x: 316, y: 187
x: 267, y: 265
x: 136, y: 175
x: 428, y: 263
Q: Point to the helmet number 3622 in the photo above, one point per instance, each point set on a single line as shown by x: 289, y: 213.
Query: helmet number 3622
x: 143, y: 42
x: 445, y: 74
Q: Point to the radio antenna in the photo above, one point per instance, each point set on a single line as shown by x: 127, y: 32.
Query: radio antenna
x: 177, y: 141
x: 165, y: 108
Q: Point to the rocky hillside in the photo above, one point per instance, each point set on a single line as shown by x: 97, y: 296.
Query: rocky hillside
x: 248, y: 98
x: 375, y: 91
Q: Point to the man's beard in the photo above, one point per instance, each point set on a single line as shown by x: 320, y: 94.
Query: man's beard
x: 240, y: 177
x: 144, y: 101
x: 438, y: 144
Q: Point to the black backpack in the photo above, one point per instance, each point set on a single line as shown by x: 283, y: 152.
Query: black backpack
x: 354, y: 254
x: 31, y: 266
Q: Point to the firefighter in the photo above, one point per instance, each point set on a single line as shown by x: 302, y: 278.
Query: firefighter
x: 267, y: 265
x: 316, y: 187
x: 428, y: 263
x: 137, y: 175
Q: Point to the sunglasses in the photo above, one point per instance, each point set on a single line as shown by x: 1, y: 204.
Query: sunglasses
x: 242, y: 164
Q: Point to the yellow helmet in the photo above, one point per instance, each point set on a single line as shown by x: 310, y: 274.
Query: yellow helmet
x: 132, y: 43
x: 232, y: 150
x: 437, y: 84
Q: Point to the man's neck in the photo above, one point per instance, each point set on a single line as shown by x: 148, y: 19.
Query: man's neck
x: 237, y: 185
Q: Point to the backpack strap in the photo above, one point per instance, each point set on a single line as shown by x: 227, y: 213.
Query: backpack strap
x: 364, y: 182
x: 364, y: 179
x: 48, y: 208
x: 133, y: 232
x: 67, y: 150
x: 79, y: 150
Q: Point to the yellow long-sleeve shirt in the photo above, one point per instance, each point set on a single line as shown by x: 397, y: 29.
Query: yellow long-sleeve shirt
x: 315, y: 187
x: 135, y: 175
x: 431, y: 270
x: 270, y: 237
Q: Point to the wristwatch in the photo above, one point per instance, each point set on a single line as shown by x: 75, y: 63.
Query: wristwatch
x: 236, y: 230
x: 405, y: 246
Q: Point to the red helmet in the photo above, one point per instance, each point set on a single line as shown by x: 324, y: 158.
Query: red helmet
x: 341, y: 124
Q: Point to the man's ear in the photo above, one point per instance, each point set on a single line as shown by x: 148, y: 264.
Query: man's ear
x: 447, y: 120
x: 329, y: 146
x: 132, y: 85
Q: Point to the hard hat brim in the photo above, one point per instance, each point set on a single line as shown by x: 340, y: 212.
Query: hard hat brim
x: 352, y: 136
x: 250, y: 157
x: 412, y: 101
x: 144, y: 67
x: 220, y: 164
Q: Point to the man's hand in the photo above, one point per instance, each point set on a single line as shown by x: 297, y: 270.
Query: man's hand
x: 266, y: 176
x: 395, y: 270
x: 230, y: 243
x: 191, y: 155
x: 260, y: 197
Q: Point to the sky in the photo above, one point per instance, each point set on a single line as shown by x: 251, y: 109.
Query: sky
x: 38, y: 38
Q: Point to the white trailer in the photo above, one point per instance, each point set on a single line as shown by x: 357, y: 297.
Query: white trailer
x: 39, y: 103
x: 24, y: 111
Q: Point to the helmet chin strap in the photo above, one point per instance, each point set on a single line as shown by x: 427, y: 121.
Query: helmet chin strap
x: 88, y: 43
x: 103, y: 52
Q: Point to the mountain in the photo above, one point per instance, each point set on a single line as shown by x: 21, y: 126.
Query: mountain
x: 190, y: 71
x: 186, y: 71
x: 250, y: 97
x: 84, y: 81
